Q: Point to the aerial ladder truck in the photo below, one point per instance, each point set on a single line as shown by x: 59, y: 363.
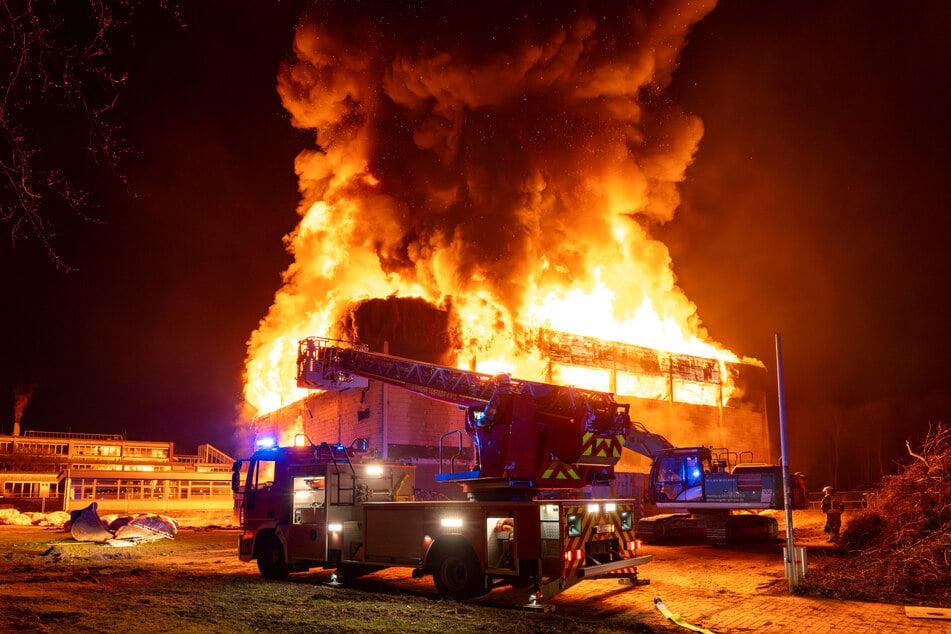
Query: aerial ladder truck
x: 332, y: 506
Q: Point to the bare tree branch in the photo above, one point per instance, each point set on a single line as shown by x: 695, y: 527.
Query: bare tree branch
x: 913, y: 454
x: 58, y: 75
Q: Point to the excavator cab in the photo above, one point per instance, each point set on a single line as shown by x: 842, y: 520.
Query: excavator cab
x: 680, y: 474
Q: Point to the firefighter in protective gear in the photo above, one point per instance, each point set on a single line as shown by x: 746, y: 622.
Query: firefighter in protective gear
x: 832, y: 507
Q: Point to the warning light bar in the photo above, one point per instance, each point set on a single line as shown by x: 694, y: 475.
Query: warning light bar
x: 266, y: 442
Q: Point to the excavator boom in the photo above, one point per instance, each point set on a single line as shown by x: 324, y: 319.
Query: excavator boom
x: 646, y: 442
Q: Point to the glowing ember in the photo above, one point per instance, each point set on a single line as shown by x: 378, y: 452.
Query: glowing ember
x: 508, y: 169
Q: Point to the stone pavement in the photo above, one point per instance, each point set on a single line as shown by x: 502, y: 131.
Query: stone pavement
x: 799, y: 614
x: 737, y: 589
x: 744, y: 590
x: 730, y: 611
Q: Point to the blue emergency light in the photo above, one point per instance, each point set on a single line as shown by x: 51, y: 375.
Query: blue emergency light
x: 266, y: 442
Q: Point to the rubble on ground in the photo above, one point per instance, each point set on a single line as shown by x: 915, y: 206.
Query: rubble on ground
x: 13, y: 517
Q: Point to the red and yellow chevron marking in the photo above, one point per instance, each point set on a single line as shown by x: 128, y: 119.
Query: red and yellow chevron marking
x: 600, y: 447
x: 570, y: 565
x: 558, y: 470
x: 574, y: 546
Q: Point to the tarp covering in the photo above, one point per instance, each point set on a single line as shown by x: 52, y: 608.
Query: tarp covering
x: 87, y: 526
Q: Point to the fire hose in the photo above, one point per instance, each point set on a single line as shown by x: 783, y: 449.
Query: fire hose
x: 676, y: 618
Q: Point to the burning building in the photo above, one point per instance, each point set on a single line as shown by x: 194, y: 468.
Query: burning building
x: 482, y: 192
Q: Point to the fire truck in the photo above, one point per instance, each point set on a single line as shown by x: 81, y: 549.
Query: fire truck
x: 710, y: 491
x: 335, y: 507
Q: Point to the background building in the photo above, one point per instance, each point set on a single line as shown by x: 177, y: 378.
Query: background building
x: 51, y: 471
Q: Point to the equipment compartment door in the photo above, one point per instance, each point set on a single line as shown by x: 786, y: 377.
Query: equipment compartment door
x: 308, y: 529
x: 394, y: 535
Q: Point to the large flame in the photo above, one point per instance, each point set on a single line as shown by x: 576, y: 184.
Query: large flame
x: 506, y: 163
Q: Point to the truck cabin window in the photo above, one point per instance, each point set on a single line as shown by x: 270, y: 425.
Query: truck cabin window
x: 263, y: 475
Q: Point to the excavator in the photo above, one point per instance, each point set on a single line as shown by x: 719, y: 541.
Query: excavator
x: 711, y: 491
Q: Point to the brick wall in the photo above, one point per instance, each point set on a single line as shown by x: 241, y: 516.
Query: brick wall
x: 414, y: 423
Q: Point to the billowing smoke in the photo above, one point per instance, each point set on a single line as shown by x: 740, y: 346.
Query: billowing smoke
x: 480, y: 156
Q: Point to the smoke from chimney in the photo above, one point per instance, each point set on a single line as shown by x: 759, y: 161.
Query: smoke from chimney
x: 21, y: 398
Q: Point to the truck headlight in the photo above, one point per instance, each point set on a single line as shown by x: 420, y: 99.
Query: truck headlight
x: 627, y: 521
x: 574, y: 525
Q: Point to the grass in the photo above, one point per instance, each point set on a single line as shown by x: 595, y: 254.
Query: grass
x: 123, y: 596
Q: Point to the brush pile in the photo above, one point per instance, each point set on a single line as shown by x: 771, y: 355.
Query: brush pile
x: 899, y: 547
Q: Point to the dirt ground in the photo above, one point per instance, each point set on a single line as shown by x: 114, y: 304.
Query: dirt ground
x: 195, y: 583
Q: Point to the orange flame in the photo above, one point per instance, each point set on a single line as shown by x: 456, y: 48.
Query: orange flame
x: 508, y: 169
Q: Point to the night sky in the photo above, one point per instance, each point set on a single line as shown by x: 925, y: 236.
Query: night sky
x: 816, y: 207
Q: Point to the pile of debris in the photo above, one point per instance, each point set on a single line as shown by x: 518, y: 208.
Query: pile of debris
x: 13, y: 517
x: 899, y: 546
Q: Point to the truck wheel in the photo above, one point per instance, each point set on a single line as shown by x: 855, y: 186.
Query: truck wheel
x: 271, y: 562
x: 458, y: 576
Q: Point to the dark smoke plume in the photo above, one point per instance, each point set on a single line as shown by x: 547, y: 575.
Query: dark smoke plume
x: 479, y: 155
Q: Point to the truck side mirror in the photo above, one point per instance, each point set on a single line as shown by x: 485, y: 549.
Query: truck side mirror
x: 236, y: 477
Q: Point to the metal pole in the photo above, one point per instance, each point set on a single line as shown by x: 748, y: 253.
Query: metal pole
x: 793, y: 571
x: 384, y: 436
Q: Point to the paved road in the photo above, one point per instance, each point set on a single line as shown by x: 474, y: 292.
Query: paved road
x: 742, y: 589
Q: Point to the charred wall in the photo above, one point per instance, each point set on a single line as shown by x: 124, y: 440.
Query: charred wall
x: 402, y: 326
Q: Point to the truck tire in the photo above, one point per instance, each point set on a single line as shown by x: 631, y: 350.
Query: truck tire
x: 458, y: 575
x: 270, y: 558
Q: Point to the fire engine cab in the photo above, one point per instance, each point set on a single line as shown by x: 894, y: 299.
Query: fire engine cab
x: 333, y: 506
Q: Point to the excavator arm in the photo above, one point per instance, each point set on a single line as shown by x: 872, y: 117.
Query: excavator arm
x: 645, y: 442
